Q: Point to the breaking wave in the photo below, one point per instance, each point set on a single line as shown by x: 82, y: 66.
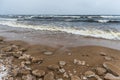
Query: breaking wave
x: 98, y: 33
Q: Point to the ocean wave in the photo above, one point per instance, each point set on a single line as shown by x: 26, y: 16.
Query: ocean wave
x: 110, y: 16
x: 103, y: 21
x: 66, y: 18
x: 71, y: 19
x: 108, y: 34
x: 108, y: 21
x: 7, y: 19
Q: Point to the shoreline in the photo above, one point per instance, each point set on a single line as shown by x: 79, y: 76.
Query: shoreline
x: 54, y: 39
x: 42, y: 55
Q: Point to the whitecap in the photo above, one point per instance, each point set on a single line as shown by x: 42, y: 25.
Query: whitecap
x: 98, y: 33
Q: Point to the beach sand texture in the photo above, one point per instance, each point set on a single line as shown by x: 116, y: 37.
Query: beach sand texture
x: 38, y: 62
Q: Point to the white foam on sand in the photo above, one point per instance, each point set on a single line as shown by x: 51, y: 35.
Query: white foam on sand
x: 3, y: 71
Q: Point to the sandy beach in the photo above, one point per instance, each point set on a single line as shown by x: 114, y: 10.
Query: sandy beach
x: 27, y: 54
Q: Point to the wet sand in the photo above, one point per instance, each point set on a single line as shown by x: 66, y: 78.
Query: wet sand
x: 51, y: 56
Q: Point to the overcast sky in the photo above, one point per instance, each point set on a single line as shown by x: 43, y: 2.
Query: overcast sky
x: 60, y: 7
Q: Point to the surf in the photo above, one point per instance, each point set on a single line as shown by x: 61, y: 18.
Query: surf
x: 91, y: 32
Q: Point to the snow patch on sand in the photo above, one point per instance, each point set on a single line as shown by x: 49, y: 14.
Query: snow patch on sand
x: 3, y: 71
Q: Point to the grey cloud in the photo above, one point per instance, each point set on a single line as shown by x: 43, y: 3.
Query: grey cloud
x: 59, y: 6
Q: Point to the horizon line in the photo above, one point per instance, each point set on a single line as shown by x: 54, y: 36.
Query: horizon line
x: 68, y: 14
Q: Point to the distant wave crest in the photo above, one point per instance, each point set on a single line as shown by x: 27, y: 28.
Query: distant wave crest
x: 66, y: 18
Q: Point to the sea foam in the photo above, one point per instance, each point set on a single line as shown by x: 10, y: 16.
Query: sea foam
x: 113, y: 35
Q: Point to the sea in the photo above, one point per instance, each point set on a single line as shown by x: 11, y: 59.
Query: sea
x: 98, y: 26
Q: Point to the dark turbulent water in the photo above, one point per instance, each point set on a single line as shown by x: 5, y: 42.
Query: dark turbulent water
x: 99, y: 26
